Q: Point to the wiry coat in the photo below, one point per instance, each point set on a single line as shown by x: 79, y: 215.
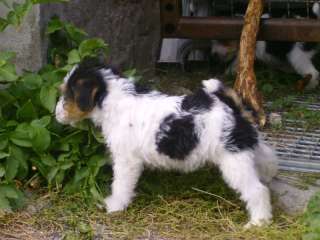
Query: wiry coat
x: 145, y: 128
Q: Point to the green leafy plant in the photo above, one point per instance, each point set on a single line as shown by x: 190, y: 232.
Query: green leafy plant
x: 18, y: 10
x: 32, y: 143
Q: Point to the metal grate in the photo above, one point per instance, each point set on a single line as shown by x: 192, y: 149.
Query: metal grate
x: 236, y: 8
x: 298, y: 148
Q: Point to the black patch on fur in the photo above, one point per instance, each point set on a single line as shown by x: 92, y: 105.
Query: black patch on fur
x: 177, y: 136
x: 279, y: 49
x: 141, y: 89
x: 197, y: 101
x: 84, y: 80
x: 243, y: 135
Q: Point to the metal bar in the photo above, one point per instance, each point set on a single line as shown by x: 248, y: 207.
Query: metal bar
x: 230, y: 28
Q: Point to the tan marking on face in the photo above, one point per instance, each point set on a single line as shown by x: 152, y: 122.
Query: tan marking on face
x: 73, y: 112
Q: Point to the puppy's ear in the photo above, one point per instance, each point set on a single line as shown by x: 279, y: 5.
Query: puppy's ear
x: 88, y: 94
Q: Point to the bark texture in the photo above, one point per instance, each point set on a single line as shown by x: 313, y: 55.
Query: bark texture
x: 246, y: 84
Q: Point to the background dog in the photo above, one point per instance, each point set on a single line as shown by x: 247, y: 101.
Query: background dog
x: 285, y: 56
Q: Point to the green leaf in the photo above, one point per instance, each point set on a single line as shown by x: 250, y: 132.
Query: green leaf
x: 54, y: 25
x: 4, y: 203
x: 3, y: 24
x: 5, y: 3
x: 2, y: 170
x: 66, y: 69
x: 23, y: 8
x: 65, y: 147
x: 7, y: 55
x: 97, y: 160
x: 16, y: 16
x: 3, y: 141
x: 4, y: 155
x: 97, y: 135
x: 9, y: 191
x: 42, y: 139
x: 59, y: 177
x: 12, y: 18
x: 8, y: 73
x: 23, y: 135
x: 42, y: 122
x: 22, y: 142
x: 81, y: 173
x: 48, y: 160
x: 53, y: 76
x: 5, y: 98
x: 75, y: 33
x: 91, y: 47
x: 27, y: 112
x: 83, y: 125
x: 12, y: 123
x: 73, y: 57
x: 48, y: 96
x: 66, y: 166
x: 12, y: 165
x: 52, y: 173
x: 96, y: 195
x: 32, y: 81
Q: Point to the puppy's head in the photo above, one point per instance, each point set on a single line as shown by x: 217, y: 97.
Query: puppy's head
x: 83, y: 89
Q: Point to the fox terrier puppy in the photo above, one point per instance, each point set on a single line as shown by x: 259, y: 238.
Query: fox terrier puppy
x: 146, y: 128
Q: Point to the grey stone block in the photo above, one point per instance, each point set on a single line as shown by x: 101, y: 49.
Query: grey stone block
x: 24, y: 40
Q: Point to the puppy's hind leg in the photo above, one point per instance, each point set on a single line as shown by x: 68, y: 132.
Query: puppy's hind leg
x: 239, y: 172
x: 126, y: 173
x: 266, y: 161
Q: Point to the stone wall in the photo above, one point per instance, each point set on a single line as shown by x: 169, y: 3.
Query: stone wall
x: 130, y: 27
x: 24, y: 40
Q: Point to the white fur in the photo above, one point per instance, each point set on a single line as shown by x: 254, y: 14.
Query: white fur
x: 211, y: 85
x: 130, y: 124
x: 73, y: 69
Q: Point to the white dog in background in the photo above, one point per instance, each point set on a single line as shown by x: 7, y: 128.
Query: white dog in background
x: 295, y: 56
x: 144, y: 128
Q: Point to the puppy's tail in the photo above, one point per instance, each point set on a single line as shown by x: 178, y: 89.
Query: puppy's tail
x: 212, y: 85
x: 266, y: 161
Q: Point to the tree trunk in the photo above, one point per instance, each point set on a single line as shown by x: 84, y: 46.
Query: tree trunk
x: 246, y: 84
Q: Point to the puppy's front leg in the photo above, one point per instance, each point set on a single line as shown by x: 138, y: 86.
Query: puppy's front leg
x: 125, y: 176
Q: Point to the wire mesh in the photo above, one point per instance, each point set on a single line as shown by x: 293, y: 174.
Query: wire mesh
x: 297, y: 147
x: 237, y: 8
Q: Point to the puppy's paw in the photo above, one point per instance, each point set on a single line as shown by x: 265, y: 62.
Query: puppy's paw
x: 257, y: 223
x: 114, y: 204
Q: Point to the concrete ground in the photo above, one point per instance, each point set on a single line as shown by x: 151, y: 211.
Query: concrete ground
x: 292, y: 191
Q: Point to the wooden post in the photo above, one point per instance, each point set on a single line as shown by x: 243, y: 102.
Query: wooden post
x: 246, y: 84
